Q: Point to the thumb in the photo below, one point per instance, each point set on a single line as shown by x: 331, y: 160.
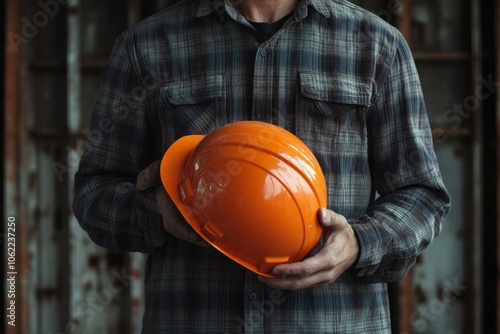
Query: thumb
x: 149, y: 177
x: 328, y: 218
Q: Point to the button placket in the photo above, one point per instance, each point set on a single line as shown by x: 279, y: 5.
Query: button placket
x: 253, y: 321
x: 262, y: 84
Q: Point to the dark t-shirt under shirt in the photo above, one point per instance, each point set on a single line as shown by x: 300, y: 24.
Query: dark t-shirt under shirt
x: 266, y: 30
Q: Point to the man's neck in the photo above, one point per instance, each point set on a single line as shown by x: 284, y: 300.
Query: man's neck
x: 266, y: 10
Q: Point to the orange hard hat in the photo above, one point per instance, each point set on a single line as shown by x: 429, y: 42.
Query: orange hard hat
x: 250, y: 189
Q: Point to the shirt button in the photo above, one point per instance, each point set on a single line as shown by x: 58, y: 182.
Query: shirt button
x: 253, y: 296
x: 259, y: 115
x: 263, y: 53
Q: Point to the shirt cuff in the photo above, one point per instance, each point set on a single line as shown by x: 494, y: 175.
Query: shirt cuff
x: 155, y: 235
x: 371, y: 246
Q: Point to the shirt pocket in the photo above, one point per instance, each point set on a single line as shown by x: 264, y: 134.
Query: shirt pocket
x: 195, y: 105
x: 334, y: 96
x: 331, y: 110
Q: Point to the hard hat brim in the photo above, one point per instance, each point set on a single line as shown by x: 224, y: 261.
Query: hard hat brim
x: 172, y: 170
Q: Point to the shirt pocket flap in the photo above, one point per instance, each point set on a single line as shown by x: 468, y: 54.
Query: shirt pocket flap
x: 340, y: 90
x: 195, y: 90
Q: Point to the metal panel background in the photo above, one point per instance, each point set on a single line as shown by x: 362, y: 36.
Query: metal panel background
x: 67, y: 284
x: 441, y: 25
x: 441, y: 280
x: 442, y: 286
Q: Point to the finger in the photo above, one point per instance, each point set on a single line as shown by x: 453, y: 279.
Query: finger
x: 299, y: 282
x: 174, y: 223
x: 312, y: 272
x: 149, y: 177
x: 306, y: 267
x: 328, y: 218
x: 181, y: 230
x: 184, y: 232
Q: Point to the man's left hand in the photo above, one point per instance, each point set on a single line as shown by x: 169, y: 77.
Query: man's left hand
x: 340, y: 251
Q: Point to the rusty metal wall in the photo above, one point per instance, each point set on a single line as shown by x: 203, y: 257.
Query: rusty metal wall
x: 447, y: 280
x: 56, y: 51
x: 442, y: 293
x: 3, y: 230
x: 66, y: 284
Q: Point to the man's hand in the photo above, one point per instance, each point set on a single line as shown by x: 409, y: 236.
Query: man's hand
x: 340, y: 251
x: 173, y: 222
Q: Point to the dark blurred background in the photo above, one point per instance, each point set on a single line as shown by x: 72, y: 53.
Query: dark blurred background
x: 53, y: 55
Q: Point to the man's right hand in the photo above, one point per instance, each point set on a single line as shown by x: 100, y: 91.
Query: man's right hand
x: 173, y: 222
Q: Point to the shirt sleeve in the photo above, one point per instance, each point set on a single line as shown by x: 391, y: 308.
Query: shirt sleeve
x: 413, y: 200
x: 120, y: 144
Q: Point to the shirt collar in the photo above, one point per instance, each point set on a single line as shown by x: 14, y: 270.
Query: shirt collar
x: 222, y: 7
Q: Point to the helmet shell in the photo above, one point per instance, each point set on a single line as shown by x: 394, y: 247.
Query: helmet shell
x: 250, y: 189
